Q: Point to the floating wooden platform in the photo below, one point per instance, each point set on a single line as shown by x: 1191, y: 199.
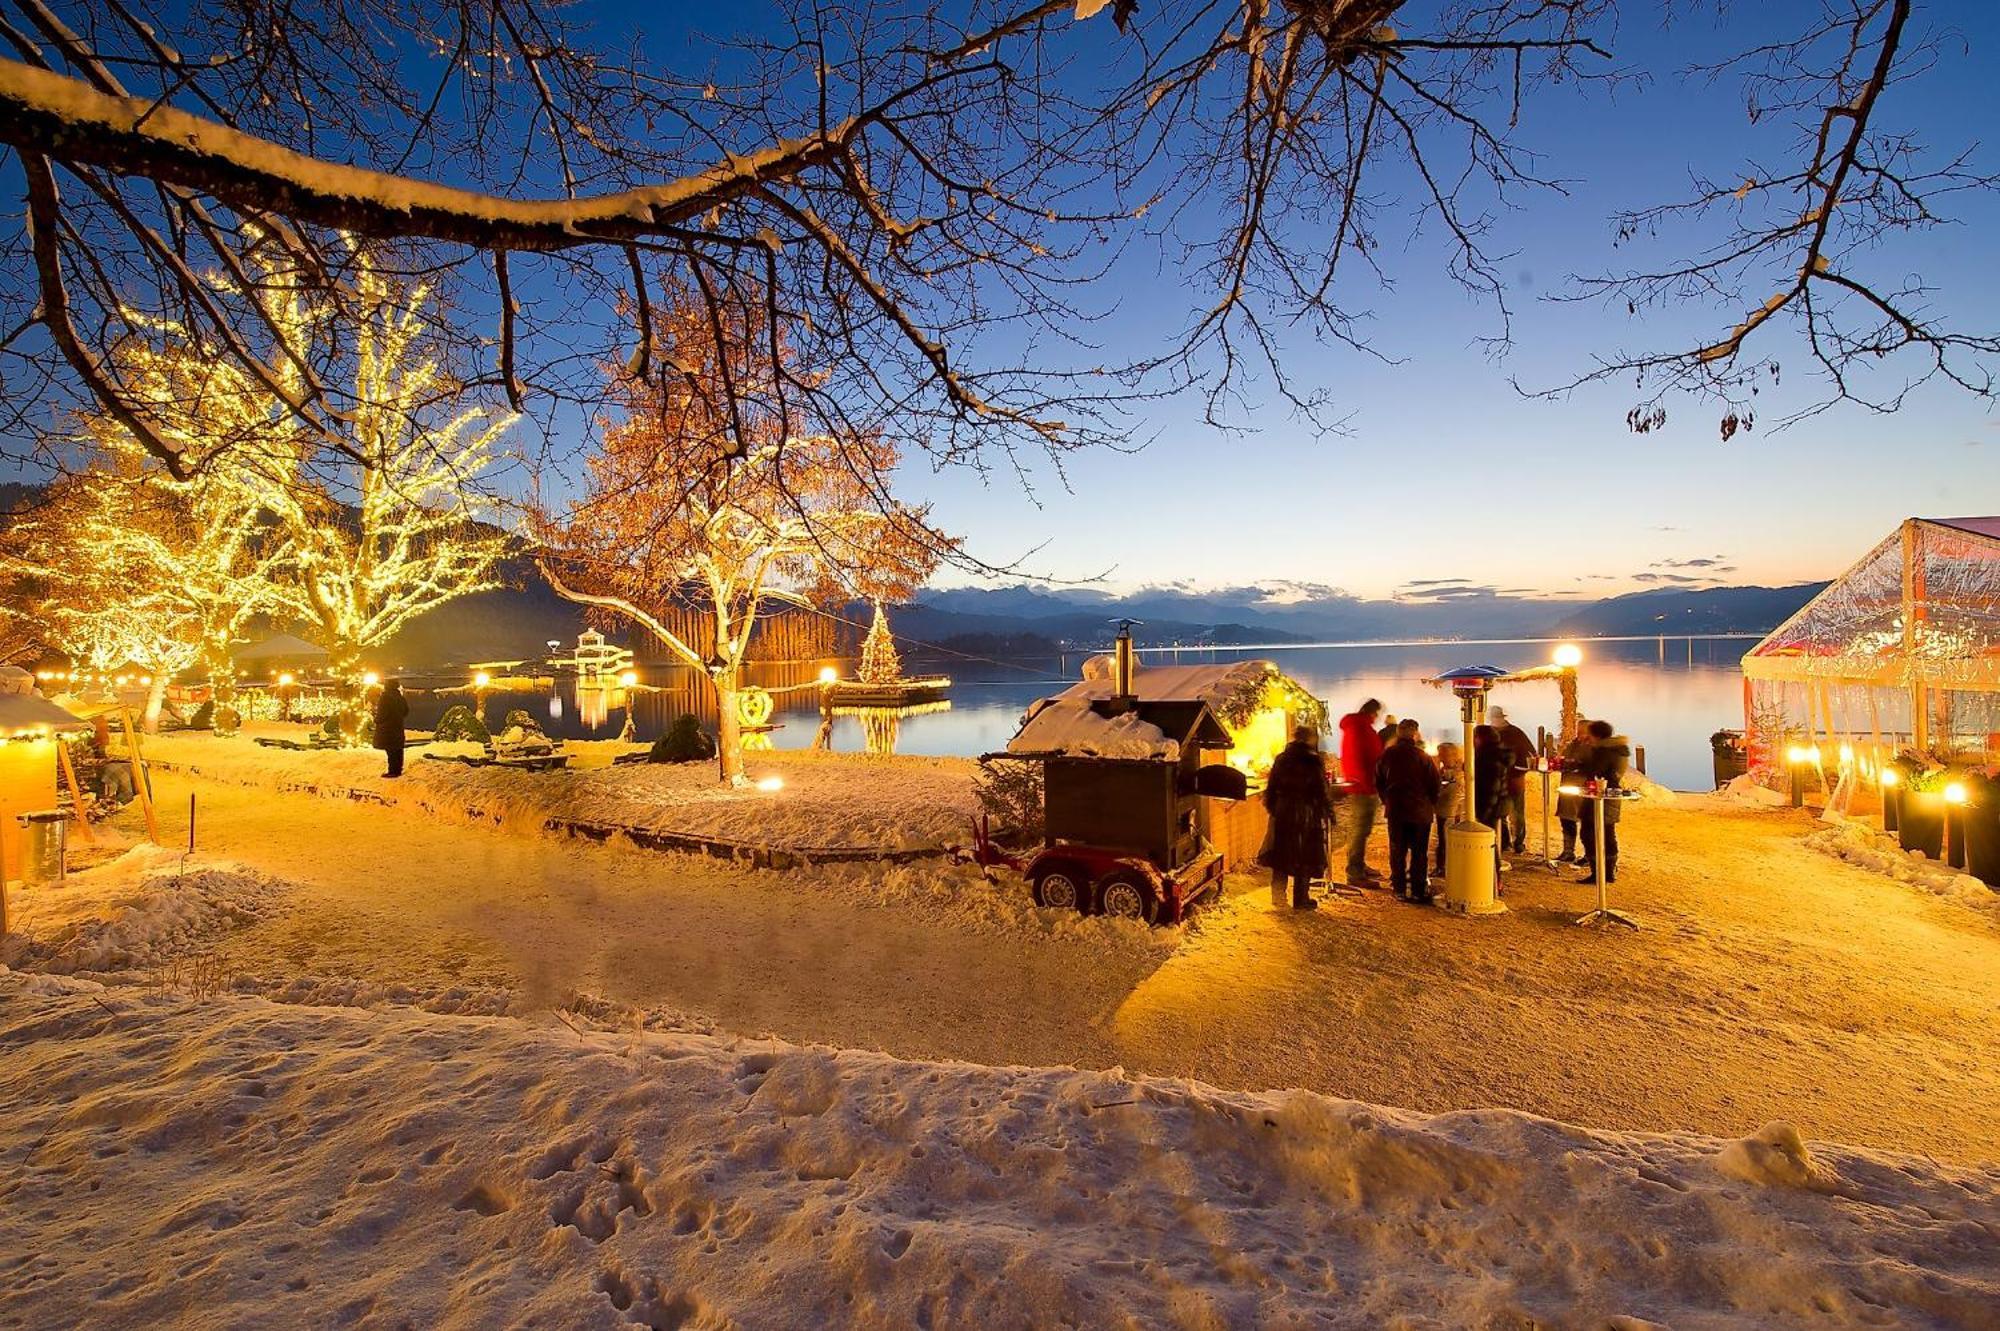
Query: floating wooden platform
x: 895, y: 693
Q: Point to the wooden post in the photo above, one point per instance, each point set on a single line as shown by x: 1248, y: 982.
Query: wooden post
x: 1913, y: 593
x: 1639, y: 756
x: 75, y: 790
x: 139, y: 777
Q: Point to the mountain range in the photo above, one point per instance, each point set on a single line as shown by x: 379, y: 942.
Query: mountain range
x: 1026, y: 620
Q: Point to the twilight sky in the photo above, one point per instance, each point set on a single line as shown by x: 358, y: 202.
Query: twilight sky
x: 1448, y: 475
x: 1448, y: 472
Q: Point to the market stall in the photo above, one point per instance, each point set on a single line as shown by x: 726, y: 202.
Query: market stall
x: 1901, y: 651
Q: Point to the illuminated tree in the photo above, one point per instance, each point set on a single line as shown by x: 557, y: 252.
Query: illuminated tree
x: 354, y: 529
x: 675, y: 513
x: 395, y: 529
x: 879, y: 662
x: 100, y: 552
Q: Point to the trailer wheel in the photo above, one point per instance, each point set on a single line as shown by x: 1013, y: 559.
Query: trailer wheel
x: 1126, y: 896
x: 1060, y: 888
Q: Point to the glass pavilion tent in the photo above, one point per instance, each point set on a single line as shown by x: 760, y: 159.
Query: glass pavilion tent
x: 1902, y: 650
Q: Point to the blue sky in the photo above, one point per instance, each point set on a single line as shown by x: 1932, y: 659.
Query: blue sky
x: 1448, y: 471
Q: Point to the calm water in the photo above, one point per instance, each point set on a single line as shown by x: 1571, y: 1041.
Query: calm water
x: 1667, y: 694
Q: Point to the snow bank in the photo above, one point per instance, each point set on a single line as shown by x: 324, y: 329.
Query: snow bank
x: 140, y: 909
x: 284, y: 1166
x: 1744, y: 789
x: 827, y: 802
x: 1863, y: 845
x: 1648, y: 789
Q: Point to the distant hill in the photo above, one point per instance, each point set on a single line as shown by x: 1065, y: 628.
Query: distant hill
x: 1678, y: 611
x: 1024, y: 621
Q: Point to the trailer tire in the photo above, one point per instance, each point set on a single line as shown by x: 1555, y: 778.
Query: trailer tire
x: 1058, y: 887
x: 1126, y: 896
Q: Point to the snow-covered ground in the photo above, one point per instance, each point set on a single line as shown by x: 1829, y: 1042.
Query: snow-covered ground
x: 1770, y: 981
x: 826, y: 801
x: 230, y: 1162
x: 1862, y: 842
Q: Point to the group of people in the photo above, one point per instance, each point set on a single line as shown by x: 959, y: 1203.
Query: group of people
x: 1417, y: 792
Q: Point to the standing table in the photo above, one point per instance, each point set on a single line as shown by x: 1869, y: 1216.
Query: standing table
x: 1604, y: 914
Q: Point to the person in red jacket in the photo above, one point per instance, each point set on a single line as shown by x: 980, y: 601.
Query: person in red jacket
x: 1360, y: 750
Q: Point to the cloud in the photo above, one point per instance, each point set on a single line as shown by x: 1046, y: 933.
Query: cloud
x: 1678, y: 579
x: 1436, y: 582
x: 1690, y: 563
x: 1433, y: 592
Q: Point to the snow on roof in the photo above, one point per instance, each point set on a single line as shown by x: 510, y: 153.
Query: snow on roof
x: 1233, y: 690
x: 278, y: 645
x: 1071, y: 726
x: 22, y: 711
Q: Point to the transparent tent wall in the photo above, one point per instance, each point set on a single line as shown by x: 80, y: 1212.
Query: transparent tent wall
x: 1873, y: 719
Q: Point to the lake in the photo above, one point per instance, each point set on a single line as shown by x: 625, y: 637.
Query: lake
x: 1667, y: 694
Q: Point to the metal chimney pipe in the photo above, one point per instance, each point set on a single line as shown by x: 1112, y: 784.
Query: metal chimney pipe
x: 1122, y: 662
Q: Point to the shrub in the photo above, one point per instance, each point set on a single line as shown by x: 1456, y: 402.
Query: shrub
x: 684, y: 742
x: 460, y: 724
x: 1010, y: 793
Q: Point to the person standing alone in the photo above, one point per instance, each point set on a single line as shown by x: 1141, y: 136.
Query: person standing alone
x: 392, y: 709
x: 1407, y: 781
x: 1360, y: 750
x: 1300, y: 807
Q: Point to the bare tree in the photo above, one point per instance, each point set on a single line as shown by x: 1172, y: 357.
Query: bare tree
x: 918, y: 195
x: 1807, y: 241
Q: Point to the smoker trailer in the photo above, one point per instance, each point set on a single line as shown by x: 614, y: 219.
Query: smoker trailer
x: 1122, y: 780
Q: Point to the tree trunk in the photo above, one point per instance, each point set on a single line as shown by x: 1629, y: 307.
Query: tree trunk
x: 728, y: 724
x: 156, y: 699
x: 353, y: 710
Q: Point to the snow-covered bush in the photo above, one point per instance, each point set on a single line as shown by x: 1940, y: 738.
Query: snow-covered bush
x: 460, y: 724
x: 684, y: 742
x: 1010, y: 793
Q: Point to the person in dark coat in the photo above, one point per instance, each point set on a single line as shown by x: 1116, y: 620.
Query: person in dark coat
x: 1490, y: 761
x: 1408, y: 782
x: 392, y: 709
x: 1300, y: 808
x: 1521, y: 757
x: 1610, y: 757
x: 1571, y: 810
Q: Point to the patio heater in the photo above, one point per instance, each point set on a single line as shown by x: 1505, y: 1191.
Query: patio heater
x: 1470, y: 864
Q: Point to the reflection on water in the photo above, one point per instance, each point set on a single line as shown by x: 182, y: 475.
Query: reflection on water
x: 1668, y: 694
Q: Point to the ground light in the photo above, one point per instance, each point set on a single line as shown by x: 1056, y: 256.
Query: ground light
x: 828, y: 675
x: 1887, y: 779
x: 1796, y: 758
x: 771, y: 783
x: 1954, y: 824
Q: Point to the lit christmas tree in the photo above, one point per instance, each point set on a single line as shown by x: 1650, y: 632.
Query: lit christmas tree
x: 879, y: 662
